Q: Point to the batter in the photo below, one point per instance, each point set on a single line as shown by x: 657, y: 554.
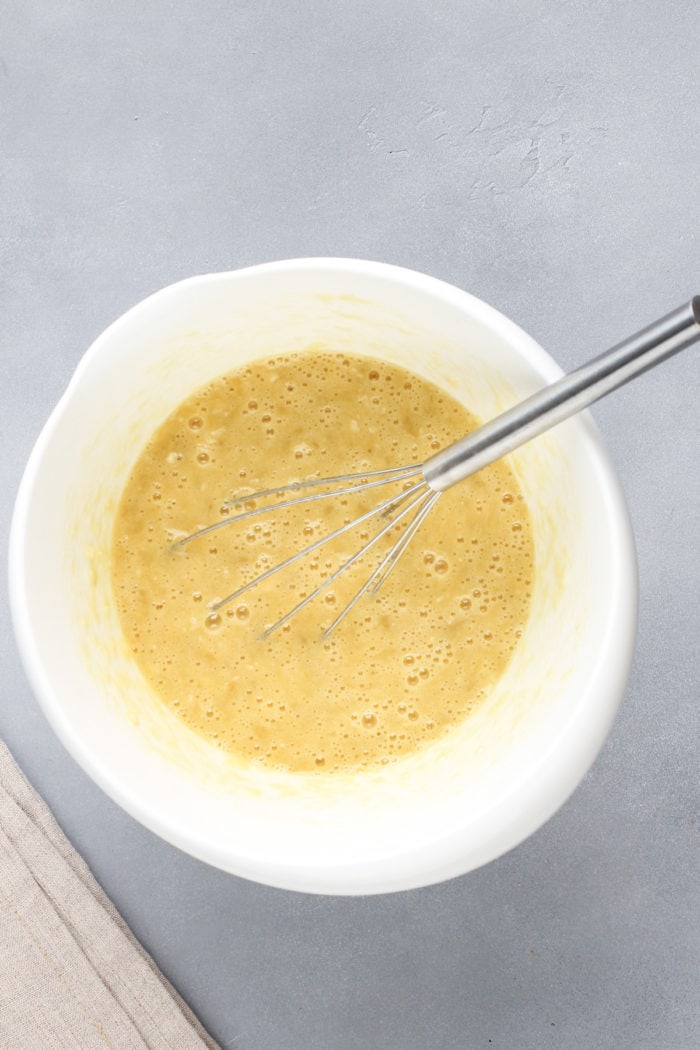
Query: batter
x: 407, y: 664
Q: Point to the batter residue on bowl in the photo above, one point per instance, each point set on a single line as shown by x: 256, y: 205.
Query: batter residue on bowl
x: 407, y: 664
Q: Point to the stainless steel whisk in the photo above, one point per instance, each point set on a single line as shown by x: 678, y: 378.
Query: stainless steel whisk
x: 426, y: 481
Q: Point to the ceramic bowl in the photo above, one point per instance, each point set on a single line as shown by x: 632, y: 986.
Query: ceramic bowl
x: 438, y: 813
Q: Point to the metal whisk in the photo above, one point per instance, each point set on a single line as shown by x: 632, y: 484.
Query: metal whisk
x: 426, y: 481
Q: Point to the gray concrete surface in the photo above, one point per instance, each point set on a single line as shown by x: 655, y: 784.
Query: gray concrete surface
x: 545, y: 156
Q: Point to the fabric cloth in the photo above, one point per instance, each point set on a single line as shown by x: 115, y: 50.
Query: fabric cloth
x: 72, y: 975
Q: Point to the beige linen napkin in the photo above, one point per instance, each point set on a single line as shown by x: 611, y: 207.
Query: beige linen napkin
x: 72, y: 975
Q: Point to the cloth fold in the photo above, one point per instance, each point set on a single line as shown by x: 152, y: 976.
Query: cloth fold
x: 72, y: 975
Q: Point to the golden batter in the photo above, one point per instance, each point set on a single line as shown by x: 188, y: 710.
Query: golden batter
x: 406, y: 664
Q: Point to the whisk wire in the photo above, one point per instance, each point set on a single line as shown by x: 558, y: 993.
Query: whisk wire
x: 402, y: 543
x: 427, y: 498
x: 393, y: 520
x: 401, y: 474
x: 307, y: 483
x: 373, y: 512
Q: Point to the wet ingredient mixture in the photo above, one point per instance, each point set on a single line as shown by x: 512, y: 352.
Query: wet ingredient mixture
x: 406, y: 665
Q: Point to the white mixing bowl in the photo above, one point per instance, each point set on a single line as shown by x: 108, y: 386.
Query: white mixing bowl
x: 439, y: 813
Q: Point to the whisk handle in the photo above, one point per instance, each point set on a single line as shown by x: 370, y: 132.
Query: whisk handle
x: 565, y: 397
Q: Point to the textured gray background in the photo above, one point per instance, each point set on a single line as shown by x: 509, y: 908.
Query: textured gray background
x: 543, y: 155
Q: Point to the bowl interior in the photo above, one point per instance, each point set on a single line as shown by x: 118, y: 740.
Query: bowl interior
x: 442, y: 811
